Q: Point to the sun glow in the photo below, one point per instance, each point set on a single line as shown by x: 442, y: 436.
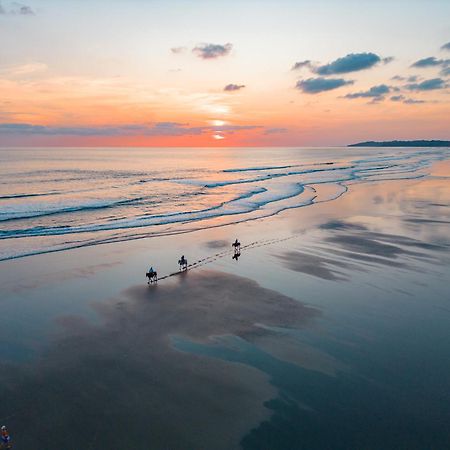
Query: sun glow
x: 217, y: 123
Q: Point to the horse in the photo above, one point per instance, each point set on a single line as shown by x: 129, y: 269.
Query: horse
x: 152, y: 277
x: 183, y: 263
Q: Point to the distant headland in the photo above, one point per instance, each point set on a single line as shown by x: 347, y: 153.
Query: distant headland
x: 419, y: 143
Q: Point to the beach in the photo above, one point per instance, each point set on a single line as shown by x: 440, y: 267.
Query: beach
x: 329, y: 331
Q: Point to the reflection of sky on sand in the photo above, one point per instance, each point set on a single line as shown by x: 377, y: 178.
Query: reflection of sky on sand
x: 53, y: 204
x: 124, y: 373
x: 369, y: 371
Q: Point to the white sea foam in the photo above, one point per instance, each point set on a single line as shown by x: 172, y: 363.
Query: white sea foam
x: 75, y: 202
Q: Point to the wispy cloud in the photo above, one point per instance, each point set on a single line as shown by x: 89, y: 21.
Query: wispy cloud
x: 316, y: 85
x: 156, y: 129
x: 405, y: 100
x: 431, y: 61
x: 16, y: 8
x: 412, y: 101
x: 24, y: 69
x: 374, y: 92
x: 275, y: 130
x: 212, y: 51
x: 410, y: 79
x: 350, y: 63
x: 446, y: 46
x: 233, y: 87
x: 178, y: 50
x: 427, y: 85
x: 301, y: 64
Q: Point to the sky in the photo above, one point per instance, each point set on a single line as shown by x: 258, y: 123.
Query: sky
x: 223, y: 73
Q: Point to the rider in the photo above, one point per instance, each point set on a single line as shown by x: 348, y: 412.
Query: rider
x: 5, y: 437
x: 151, y: 270
x: 183, y: 262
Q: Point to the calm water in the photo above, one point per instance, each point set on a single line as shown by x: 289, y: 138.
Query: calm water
x: 228, y: 358
x: 52, y: 199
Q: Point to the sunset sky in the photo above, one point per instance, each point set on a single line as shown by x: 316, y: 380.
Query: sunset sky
x: 223, y: 73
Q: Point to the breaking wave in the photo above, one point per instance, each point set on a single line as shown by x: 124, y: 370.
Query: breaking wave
x: 76, y: 202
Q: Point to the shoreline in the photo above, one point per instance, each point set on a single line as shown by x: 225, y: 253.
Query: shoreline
x: 314, y: 289
x: 74, y: 217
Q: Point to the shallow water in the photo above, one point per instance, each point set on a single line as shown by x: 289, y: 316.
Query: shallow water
x: 331, y: 331
x: 54, y: 199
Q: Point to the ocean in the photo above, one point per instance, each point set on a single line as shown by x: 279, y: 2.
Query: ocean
x: 330, y: 331
x: 54, y: 199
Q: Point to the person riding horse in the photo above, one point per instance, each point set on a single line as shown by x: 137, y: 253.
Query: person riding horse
x: 182, y: 262
x: 152, y: 276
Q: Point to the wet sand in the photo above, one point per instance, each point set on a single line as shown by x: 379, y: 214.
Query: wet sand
x: 329, y: 332
x: 126, y: 386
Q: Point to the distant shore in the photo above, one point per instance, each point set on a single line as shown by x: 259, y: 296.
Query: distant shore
x: 418, y: 143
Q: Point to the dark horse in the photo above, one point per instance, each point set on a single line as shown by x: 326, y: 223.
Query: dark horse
x: 152, y: 277
x: 182, y: 262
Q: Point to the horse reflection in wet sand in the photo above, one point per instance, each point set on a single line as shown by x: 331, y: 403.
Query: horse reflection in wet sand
x: 237, y: 249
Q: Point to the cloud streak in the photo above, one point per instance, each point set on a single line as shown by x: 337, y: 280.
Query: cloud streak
x: 405, y: 100
x: 156, y: 129
x: 431, y: 61
x: 301, y: 64
x: 178, y: 50
x: 17, y: 9
x: 427, y: 85
x: 374, y: 92
x: 317, y: 85
x: 233, y: 87
x: 212, y: 51
x: 410, y: 79
x: 24, y: 69
x: 446, y: 46
x: 275, y: 130
x: 350, y: 63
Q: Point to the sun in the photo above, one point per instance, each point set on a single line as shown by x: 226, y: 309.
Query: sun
x: 217, y: 123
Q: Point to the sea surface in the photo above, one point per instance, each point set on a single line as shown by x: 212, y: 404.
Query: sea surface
x: 329, y: 332
x: 58, y: 198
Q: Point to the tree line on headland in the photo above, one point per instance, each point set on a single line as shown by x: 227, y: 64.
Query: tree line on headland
x: 418, y: 143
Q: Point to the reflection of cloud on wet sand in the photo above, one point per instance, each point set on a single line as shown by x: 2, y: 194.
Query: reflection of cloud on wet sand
x: 217, y: 244
x: 123, y: 385
x: 346, y: 247
x: 314, y: 265
x: 38, y: 280
x: 381, y: 248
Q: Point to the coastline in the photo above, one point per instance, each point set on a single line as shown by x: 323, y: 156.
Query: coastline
x: 314, y: 289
